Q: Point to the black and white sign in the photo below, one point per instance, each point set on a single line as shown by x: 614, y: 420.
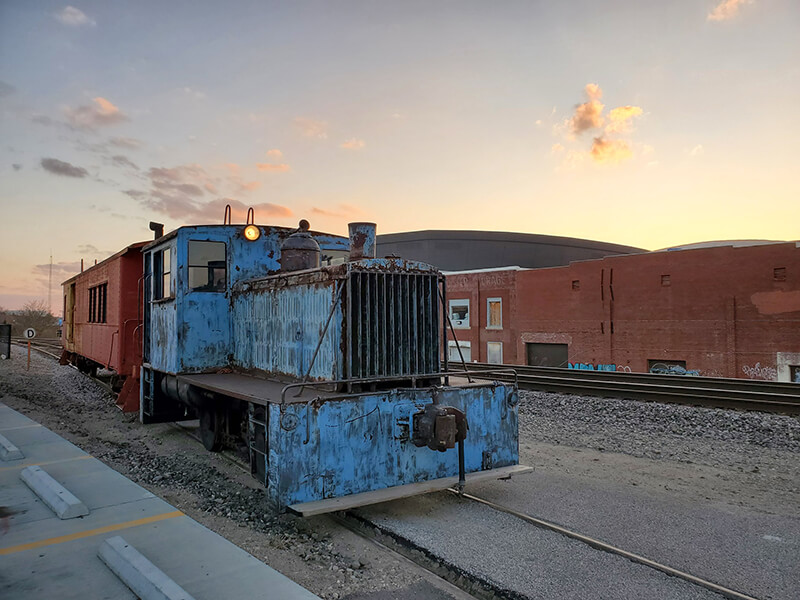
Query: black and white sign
x: 29, y: 334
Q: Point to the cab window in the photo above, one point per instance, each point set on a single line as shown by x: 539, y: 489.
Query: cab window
x: 207, y: 266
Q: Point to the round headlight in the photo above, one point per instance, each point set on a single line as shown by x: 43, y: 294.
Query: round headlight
x: 252, y: 233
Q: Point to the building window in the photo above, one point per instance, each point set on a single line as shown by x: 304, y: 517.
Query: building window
x: 494, y: 353
x: 794, y: 373
x: 162, y: 274
x: 576, y: 284
x: 547, y: 355
x: 779, y: 273
x: 207, y: 267
x: 98, y: 302
x: 452, y: 351
x: 494, y: 313
x: 459, y: 314
x: 665, y: 280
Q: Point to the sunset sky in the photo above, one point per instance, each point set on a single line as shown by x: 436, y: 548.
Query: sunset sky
x: 650, y: 124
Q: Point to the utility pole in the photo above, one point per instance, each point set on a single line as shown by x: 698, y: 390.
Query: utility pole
x: 50, y: 285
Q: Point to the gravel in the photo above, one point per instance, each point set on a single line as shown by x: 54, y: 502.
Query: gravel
x: 654, y: 430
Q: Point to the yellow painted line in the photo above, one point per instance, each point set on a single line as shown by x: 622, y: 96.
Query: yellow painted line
x: 20, y: 427
x: 90, y: 532
x: 45, y: 462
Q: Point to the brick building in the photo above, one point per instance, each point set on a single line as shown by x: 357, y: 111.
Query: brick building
x: 724, y: 311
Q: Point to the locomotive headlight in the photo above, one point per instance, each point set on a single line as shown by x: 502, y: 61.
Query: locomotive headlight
x: 252, y: 233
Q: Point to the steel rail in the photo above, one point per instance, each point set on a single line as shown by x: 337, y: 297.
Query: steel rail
x: 600, y: 545
x: 765, y: 396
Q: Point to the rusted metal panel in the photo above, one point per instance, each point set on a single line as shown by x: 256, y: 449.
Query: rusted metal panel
x: 277, y: 330
x: 361, y: 443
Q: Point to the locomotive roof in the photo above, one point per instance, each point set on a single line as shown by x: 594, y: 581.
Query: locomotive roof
x: 125, y: 250
x: 168, y: 236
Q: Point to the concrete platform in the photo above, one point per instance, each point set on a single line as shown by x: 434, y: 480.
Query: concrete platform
x: 42, y: 556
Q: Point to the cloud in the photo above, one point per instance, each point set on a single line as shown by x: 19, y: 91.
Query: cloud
x: 312, y: 128
x: 352, y: 144
x: 93, y: 250
x: 610, y: 151
x: 727, y: 9
x: 272, y: 168
x: 101, y: 114
x: 59, y: 167
x: 696, y: 151
x: 69, y: 15
x: 6, y: 89
x: 619, y: 119
x: 183, y: 192
x: 123, y: 162
x: 215, y: 208
x: 274, y: 153
x: 42, y: 120
x: 608, y: 146
x: 589, y: 114
x: 341, y: 210
x: 125, y: 142
x: 61, y: 270
x: 16, y: 166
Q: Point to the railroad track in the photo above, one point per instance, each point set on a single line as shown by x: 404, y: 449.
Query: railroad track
x: 742, y: 394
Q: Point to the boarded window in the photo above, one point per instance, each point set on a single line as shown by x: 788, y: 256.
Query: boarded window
x: 452, y: 351
x: 494, y: 313
x: 547, y: 355
x: 207, y: 267
x: 494, y: 353
x: 779, y: 273
x: 576, y: 284
x: 665, y: 281
x: 459, y: 314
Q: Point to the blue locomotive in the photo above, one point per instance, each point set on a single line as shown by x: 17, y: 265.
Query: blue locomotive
x: 318, y: 360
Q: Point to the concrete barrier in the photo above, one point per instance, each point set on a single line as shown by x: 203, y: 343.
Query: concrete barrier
x: 52, y: 493
x: 9, y: 451
x: 144, y: 579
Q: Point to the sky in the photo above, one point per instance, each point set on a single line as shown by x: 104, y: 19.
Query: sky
x: 650, y: 124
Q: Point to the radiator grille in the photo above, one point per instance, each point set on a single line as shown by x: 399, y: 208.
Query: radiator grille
x: 392, y: 324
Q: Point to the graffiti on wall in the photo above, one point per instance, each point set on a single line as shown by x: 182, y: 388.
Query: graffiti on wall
x: 759, y: 372
x: 664, y: 369
x: 591, y: 367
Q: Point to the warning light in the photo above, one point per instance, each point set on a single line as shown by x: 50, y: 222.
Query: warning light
x: 252, y: 233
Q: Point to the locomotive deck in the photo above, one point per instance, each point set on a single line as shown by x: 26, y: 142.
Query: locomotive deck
x: 44, y: 556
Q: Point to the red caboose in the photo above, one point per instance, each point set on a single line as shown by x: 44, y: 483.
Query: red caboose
x: 102, y: 321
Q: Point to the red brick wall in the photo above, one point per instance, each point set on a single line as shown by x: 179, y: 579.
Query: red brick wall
x: 722, y: 310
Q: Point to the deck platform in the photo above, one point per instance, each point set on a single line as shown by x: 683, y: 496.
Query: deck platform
x: 42, y: 556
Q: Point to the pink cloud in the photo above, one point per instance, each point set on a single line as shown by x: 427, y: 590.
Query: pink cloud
x: 727, y: 9
x: 589, y: 114
x: 272, y: 168
x: 101, y: 114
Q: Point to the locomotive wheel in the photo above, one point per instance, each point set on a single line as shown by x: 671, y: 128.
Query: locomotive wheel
x: 210, y: 429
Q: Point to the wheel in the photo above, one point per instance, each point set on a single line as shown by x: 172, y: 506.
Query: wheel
x: 210, y: 429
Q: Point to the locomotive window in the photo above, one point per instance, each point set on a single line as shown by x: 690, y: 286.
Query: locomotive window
x: 207, y: 266
x: 162, y: 274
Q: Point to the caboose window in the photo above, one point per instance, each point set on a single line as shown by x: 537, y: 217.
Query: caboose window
x: 162, y: 274
x: 207, y: 267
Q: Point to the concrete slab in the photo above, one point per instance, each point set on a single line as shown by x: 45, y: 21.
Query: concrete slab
x: 43, y: 556
x: 9, y: 451
x: 62, y: 502
x: 146, y: 580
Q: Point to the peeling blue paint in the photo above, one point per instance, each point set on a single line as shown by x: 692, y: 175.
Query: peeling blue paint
x: 359, y: 443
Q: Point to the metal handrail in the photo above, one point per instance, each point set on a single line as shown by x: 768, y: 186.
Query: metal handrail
x: 413, y: 378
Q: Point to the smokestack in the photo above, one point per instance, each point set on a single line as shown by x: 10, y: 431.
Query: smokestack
x: 157, y: 229
x: 362, y: 240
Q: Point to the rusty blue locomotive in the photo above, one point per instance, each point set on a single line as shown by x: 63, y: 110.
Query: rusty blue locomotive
x: 319, y: 361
